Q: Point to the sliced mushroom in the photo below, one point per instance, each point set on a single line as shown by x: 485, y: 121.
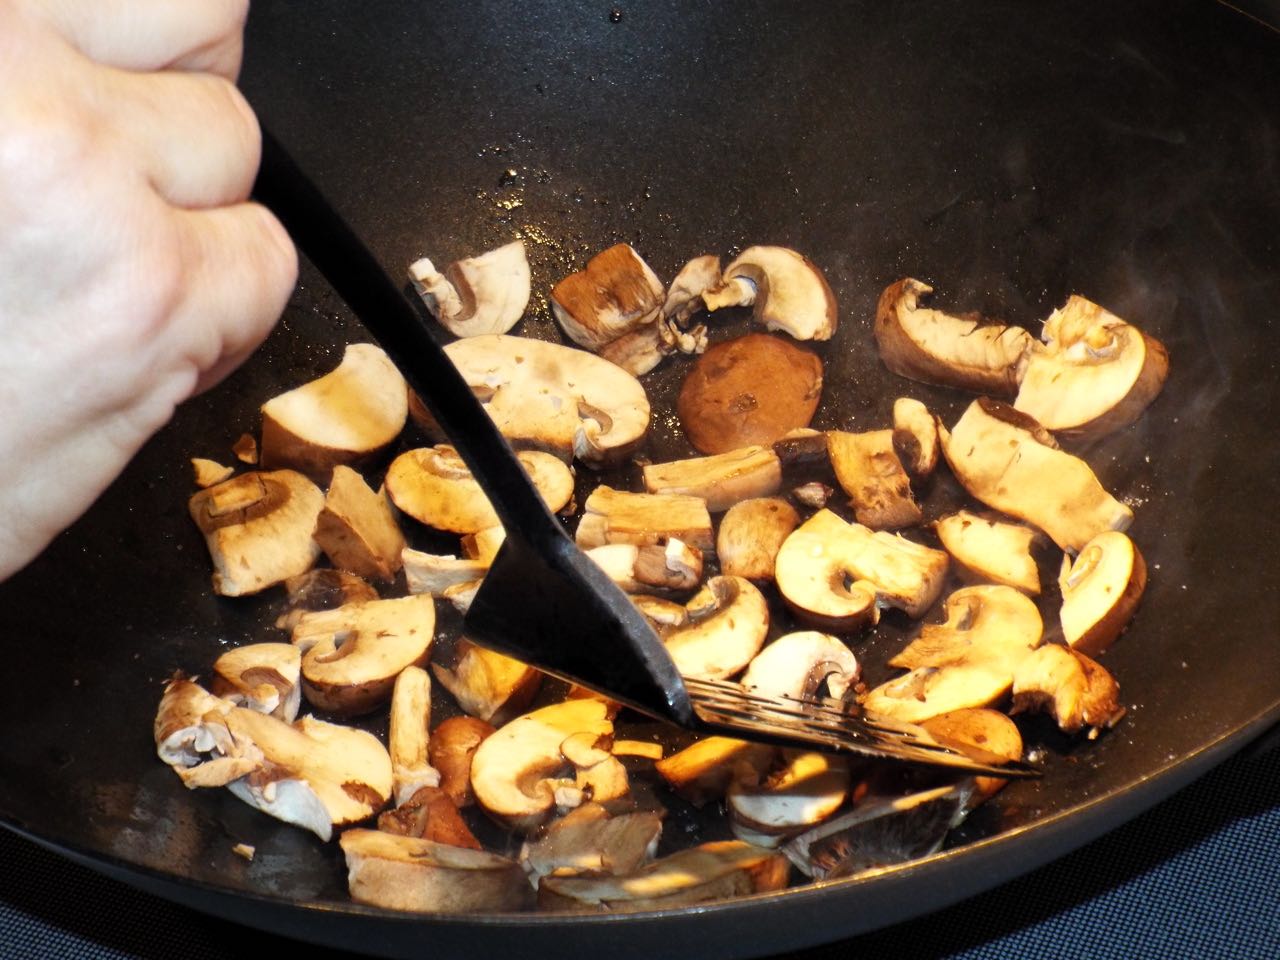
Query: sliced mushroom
x: 434, y: 486
x: 246, y: 448
x: 799, y: 664
x: 987, y: 736
x: 807, y: 789
x: 515, y: 772
x: 408, y: 873
x: 872, y: 475
x: 356, y: 529
x: 1100, y: 592
x: 266, y: 677
x: 618, y: 516
x: 684, y: 296
x: 1009, y: 462
x: 721, y: 480
x: 484, y: 294
x: 663, y: 614
x: 827, y: 569
x: 728, y: 621
x: 435, y: 573
x: 924, y: 344
x: 704, y: 770
x: 192, y: 737
x: 487, y: 684
x: 991, y: 551
x: 352, y: 656
x: 968, y: 661
x: 430, y: 814
x: 615, y: 294
x: 589, y: 840
x: 407, y: 737
x: 546, y: 396
x: 347, y: 416
x: 673, y: 566
x: 208, y: 472
x: 258, y: 529
x: 483, y: 544
x: 915, y: 437
x: 451, y: 748
x: 323, y: 588
x: 788, y: 291
x: 813, y: 495
x: 1095, y: 373
x: 1075, y: 690
x: 749, y: 390
x: 710, y: 871
x: 751, y: 534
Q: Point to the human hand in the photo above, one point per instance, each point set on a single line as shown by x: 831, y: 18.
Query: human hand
x: 132, y: 271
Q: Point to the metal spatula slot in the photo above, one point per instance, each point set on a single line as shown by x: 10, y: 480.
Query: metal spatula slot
x: 542, y: 600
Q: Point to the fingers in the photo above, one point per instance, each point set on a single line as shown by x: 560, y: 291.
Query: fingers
x: 149, y: 35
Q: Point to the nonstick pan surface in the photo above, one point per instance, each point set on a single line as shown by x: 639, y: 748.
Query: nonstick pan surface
x: 1010, y: 154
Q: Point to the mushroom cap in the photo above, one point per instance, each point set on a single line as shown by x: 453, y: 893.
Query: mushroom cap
x: 728, y: 622
x: 1101, y: 591
x: 790, y: 292
x: 555, y: 398
x: 613, y: 295
x: 479, y: 295
x: 1095, y: 375
x: 751, y: 534
x: 1077, y: 691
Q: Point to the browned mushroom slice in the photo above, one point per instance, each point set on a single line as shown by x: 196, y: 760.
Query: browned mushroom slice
x: 487, y: 684
x: 435, y: 573
x: 869, y: 471
x: 483, y: 294
x: 751, y: 534
x: 987, y: 736
x: 483, y: 544
x: 352, y: 655
x: 408, y: 873
x: 407, y: 738
x: 347, y: 416
x: 673, y: 566
x: 323, y: 588
x: 450, y: 750
x: 589, y: 840
x: 356, y: 529
x: 728, y: 622
x: 1075, y: 690
x: 991, y: 551
x: 266, y: 677
x: 710, y: 871
x: 208, y: 472
x: 800, y: 664
x: 192, y: 737
x: 434, y: 486
x: 258, y: 529
x: 1100, y: 592
x: 915, y: 437
x: 547, y: 396
x: 968, y: 661
x: 807, y: 789
x: 704, y: 770
x: 934, y: 347
x: 1009, y: 462
x: 615, y: 294
x: 721, y: 480
x: 429, y: 813
x: 788, y: 291
x: 1095, y: 373
x: 617, y: 516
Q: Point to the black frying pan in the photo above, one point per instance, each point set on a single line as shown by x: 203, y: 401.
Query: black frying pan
x: 1009, y: 154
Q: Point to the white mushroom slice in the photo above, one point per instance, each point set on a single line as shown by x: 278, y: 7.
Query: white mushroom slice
x: 614, y: 294
x: 356, y: 529
x: 484, y: 294
x: 435, y: 573
x: 407, y: 739
x: 987, y: 736
x: 352, y: 655
x: 190, y: 724
x: 1075, y: 690
x: 813, y: 495
x: 721, y: 480
x: 661, y: 613
x: 674, y: 566
x: 641, y: 350
x: 684, y: 296
x: 788, y: 291
x: 434, y: 486
x: 751, y: 534
x: 934, y: 347
x: 728, y: 621
x: 487, y: 684
x: 266, y: 677
x: 1010, y: 463
x: 208, y: 472
x: 346, y: 416
x: 322, y: 588
x: 258, y: 529
x: 1100, y: 592
x: 968, y: 661
x: 421, y: 876
x: 806, y: 790
x: 515, y: 771
x: 313, y: 774
x: 1095, y: 374
x: 991, y: 551
x: 915, y: 437
x: 555, y: 398
x: 618, y: 516
x: 798, y: 665
x: 871, y: 474
x: 483, y: 544
x: 704, y: 770
x: 462, y: 595
x: 710, y: 871
x: 591, y: 841
x: 826, y: 567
